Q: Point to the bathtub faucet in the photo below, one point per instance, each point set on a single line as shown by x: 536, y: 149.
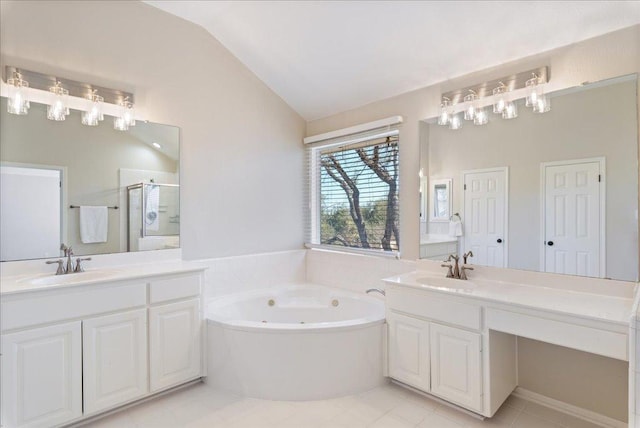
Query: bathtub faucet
x: 377, y: 290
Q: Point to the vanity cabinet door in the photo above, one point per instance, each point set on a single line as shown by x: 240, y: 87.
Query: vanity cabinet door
x: 409, y: 350
x: 42, y: 376
x: 115, y: 359
x: 456, y: 366
x: 174, y: 343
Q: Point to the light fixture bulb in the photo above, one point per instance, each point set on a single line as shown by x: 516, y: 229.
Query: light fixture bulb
x: 17, y: 102
x: 470, y: 110
x: 500, y: 98
x: 93, y: 115
x: 542, y: 105
x: 126, y: 117
x: 481, y: 117
x: 58, y: 109
x: 534, y: 91
x: 510, y: 110
x: 445, y: 112
x: 455, y: 123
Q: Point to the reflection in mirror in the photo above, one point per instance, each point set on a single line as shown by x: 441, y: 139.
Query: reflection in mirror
x: 553, y: 193
x: 440, y: 197
x: 51, y: 169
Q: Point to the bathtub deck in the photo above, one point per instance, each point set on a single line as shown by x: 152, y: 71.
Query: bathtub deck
x: 388, y: 406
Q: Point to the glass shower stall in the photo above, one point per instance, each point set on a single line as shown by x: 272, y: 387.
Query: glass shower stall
x: 153, y: 214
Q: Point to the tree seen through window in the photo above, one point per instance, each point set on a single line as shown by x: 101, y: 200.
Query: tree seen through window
x: 359, y: 195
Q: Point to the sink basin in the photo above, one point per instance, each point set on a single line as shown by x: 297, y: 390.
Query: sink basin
x: 71, y: 278
x: 454, y: 284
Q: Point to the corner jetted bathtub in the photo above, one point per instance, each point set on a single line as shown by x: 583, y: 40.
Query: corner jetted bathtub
x: 298, y: 342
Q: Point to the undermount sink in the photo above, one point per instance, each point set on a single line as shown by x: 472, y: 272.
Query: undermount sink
x: 457, y: 284
x: 71, y: 278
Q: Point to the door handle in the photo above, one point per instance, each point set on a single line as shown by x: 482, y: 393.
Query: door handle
x: 499, y: 241
x: 550, y: 243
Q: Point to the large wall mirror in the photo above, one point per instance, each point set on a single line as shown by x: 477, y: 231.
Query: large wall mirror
x: 553, y: 192
x: 95, y: 189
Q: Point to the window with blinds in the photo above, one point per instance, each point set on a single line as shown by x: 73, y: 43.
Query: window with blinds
x: 354, y: 193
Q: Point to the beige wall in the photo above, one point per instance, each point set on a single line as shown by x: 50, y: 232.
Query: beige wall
x: 598, y: 121
x: 611, y: 55
x: 92, y: 157
x: 591, y: 381
x: 242, y: 157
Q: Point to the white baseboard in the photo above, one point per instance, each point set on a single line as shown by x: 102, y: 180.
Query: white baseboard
x: 588, y: 415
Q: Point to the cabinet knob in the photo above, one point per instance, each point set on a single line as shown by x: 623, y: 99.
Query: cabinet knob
x: 550, y: 243
x: 499, y: 241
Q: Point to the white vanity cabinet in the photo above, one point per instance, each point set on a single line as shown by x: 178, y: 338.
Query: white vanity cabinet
x: 434, y: 358
x: 456, y: 374
x: 42, y: 376
x: 74, y: 352
x: 408, y: 343
x: 175, y: 331
x: 435, y: 345
x: 114, y: 354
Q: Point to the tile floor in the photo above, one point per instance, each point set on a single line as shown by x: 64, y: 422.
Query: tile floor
x: 388, y: 406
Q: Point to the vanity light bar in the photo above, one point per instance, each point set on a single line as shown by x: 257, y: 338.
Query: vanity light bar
x: 485, y: 89
x: 500, y: 94
x: 76, y: 89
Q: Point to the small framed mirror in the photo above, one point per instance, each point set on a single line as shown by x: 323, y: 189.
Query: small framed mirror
x: 440, y: 200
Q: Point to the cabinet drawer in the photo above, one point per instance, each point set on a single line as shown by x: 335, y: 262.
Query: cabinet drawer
x: 588, y: 339
x: 177, y: 287
x: 427, y: 305
x: 59, y: 305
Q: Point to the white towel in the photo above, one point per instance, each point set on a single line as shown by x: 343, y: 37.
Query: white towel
x: 152, y: 216
x: 455, y: 228
x: 93, y: 224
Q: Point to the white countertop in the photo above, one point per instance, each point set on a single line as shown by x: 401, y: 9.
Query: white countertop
x: 436, y: 239
x: 599, y: 307
x: 17, y: 284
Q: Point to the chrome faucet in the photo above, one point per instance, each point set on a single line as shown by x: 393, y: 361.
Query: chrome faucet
x: 79, y: 267
x: 62, y: 269
x: 68, y: 252
x: 455, y: 270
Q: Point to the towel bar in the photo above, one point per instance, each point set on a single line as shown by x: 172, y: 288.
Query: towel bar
x: 78, y: 206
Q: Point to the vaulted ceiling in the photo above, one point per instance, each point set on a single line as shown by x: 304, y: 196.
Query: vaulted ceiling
x: 324, y: 57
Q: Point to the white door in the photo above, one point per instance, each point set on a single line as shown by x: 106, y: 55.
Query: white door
x: 30, y: 213
x: 409, y: 350
x: 174, y: 343
x: 115, y: 359
x: 42, y: 376
x: 456, y: 366
x: 485, y: 216
x: 572, y: 218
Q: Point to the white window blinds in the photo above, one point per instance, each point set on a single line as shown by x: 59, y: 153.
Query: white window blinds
x: 353, y: 188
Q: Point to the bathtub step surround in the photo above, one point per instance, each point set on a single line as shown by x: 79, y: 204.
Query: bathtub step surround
x: 387, y: 406
x: 102, y: 342
x: 296, y: 342
x: 457, y: 339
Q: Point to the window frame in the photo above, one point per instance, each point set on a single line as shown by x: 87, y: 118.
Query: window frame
x: 314, y: 153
